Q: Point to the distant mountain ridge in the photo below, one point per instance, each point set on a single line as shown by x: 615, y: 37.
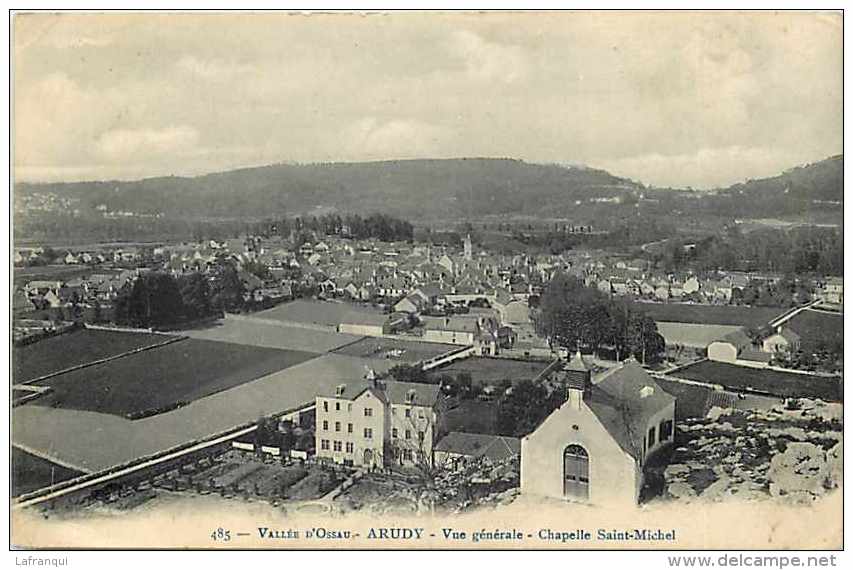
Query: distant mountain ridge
x: 426, y: 189
x: 436, y: 188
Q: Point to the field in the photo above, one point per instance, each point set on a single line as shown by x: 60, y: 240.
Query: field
x: 815, y: 327
x: 710, y: 314
x: 472, y: 416
x: 693, y: 335
x: 782, y: 384
x: 161, y: 378
x: 256, y: 332
x: 323, y: 313
x: 88, y: 439
x: 493, y: 370
x: 23, y: 275
x: 74, y: 348
x: 30, y: 473
x: 410, y: 351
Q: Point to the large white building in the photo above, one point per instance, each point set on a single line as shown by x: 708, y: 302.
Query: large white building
x: 377, y: 422
x: 594, y: 447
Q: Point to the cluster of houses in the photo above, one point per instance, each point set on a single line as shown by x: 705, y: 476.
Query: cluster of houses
x: 635, y: 278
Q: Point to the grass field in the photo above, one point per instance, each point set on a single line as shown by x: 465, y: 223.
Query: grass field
x: 710, y: 314
x: 74, y: 348
x: 782, y: 384
x: 472, y: 416
x: 411, y: 351
x: 326, y: 313
x: 51, y: 273
x: 30, y: 473
x: 272, y: 335
x: 161, y: 378
x: 815, y: 327
x: 493, y: 370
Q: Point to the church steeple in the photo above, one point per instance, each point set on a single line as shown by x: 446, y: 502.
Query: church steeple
x: 469, y: 248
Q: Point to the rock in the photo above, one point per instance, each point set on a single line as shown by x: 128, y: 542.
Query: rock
x: 801, y: 468
x: 717, y: 489
x: 834, y: 465
x: 680, y: 490
x: 675, y: 469
x: 796, y: 433
x: 715, y: 412
x: 829, y: 412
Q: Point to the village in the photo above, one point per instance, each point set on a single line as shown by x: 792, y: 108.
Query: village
x: 393, y: 374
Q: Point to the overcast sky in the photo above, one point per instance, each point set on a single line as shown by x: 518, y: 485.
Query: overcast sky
x: 667, y: 99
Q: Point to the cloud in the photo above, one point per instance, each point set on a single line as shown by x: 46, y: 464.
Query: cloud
x: 714, y: 167
x: 488, y: 60
x: 132, y: 143
x: 371, y: 138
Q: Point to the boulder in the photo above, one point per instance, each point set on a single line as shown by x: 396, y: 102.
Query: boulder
x: 675, y: 470
x: 715, y: 412
x: 680, y: 490
x: 717, y: 489
x: 834, y: 465
x: 802, y: 467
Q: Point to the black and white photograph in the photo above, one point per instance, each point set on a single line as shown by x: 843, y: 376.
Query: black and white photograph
x: 451, y: 280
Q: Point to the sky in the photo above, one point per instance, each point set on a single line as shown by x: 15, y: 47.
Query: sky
x: 669, y: 99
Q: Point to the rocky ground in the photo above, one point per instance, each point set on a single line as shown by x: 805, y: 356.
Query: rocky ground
x: 791, y: 453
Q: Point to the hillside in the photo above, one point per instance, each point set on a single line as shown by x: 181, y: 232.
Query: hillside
x: 409, y: 188
x: 813, y: 187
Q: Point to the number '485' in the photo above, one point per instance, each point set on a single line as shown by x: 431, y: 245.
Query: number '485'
x: 221, y: 534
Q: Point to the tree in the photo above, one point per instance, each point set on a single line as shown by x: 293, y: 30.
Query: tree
x: 227, y: 289
x: 153, y: 299
x: 195, y: 295
x: 520, y: 412
x: 410, y: 373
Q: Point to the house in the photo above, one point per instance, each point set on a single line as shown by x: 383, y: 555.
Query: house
x: 691, y: 285
x: 737, y: 347
x: 410, y: 304
x: 833, y: 290
x: 71, y: 259
x: 785, y: 340
x: 377, y: 422
x: 458, y: 449
x: 595, y: 446
x: 515, y: 312
x: 367, y: 324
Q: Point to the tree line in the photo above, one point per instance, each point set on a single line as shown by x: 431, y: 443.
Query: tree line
x: 158, y: 299
x: 797, y: 251
x: 576, y: 317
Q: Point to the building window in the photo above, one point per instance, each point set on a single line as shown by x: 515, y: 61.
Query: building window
x: 651, y: 437
x: 325, y: 406
x: 368, y: 433
x: 420, y: 436
x: 337, y: 406
x: 349, y: 407
x: 349, y: 428
x: 337, y: 426
x: 337, y: 446
x: 368, y: 412
x: 394, y: 433
x: 408, y: 434
x: 324, y: 444
x: 407, y: 454
x: 350, y: 447
x: 665, y: 430
x: 408, y: 413
x: 325, y: 425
